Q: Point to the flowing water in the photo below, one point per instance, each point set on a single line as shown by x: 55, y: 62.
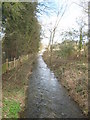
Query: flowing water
x: 47, y: 98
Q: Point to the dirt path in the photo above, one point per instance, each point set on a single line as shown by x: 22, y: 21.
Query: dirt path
x: 46, y: 97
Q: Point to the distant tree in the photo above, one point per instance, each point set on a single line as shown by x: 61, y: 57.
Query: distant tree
x: 82, y: 33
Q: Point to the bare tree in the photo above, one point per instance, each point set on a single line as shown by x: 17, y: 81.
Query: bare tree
x: 60, y: 14
x: 46, y: 7
x: 83, y: 4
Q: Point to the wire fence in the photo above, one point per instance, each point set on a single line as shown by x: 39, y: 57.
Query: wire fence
x: 13, y: 64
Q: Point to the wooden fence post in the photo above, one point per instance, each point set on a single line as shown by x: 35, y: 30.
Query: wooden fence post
x: 14, y: 63
x: 6, y: 64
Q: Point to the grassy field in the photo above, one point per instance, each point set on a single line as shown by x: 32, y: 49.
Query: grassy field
x: 14, y: 87
x: 72, y: 72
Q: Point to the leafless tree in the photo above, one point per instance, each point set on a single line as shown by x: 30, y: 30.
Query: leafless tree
x: 60, y: 13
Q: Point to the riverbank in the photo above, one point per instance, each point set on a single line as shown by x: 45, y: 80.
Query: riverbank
x: 14, y: 88
x: 73, y: 75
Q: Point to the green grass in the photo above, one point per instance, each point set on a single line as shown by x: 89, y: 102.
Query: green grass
x: 4, y: 68
x: 11, y: 108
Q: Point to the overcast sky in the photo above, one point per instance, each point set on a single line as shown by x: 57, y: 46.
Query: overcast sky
x: 68, y: 21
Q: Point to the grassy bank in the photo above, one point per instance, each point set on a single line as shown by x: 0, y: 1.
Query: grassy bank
x: 14, y: 84
x: 72, y: 72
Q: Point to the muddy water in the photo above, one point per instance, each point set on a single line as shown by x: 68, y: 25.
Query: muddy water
x: 46, y: 97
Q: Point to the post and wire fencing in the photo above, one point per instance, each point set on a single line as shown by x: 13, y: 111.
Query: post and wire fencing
x: 13, y: 64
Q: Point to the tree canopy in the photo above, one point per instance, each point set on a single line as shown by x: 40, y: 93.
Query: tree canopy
x: 22, y: 29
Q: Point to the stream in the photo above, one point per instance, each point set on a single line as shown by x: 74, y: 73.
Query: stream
x: 47, y: 98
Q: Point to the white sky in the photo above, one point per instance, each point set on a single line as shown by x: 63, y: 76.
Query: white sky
x: 68, y: 21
